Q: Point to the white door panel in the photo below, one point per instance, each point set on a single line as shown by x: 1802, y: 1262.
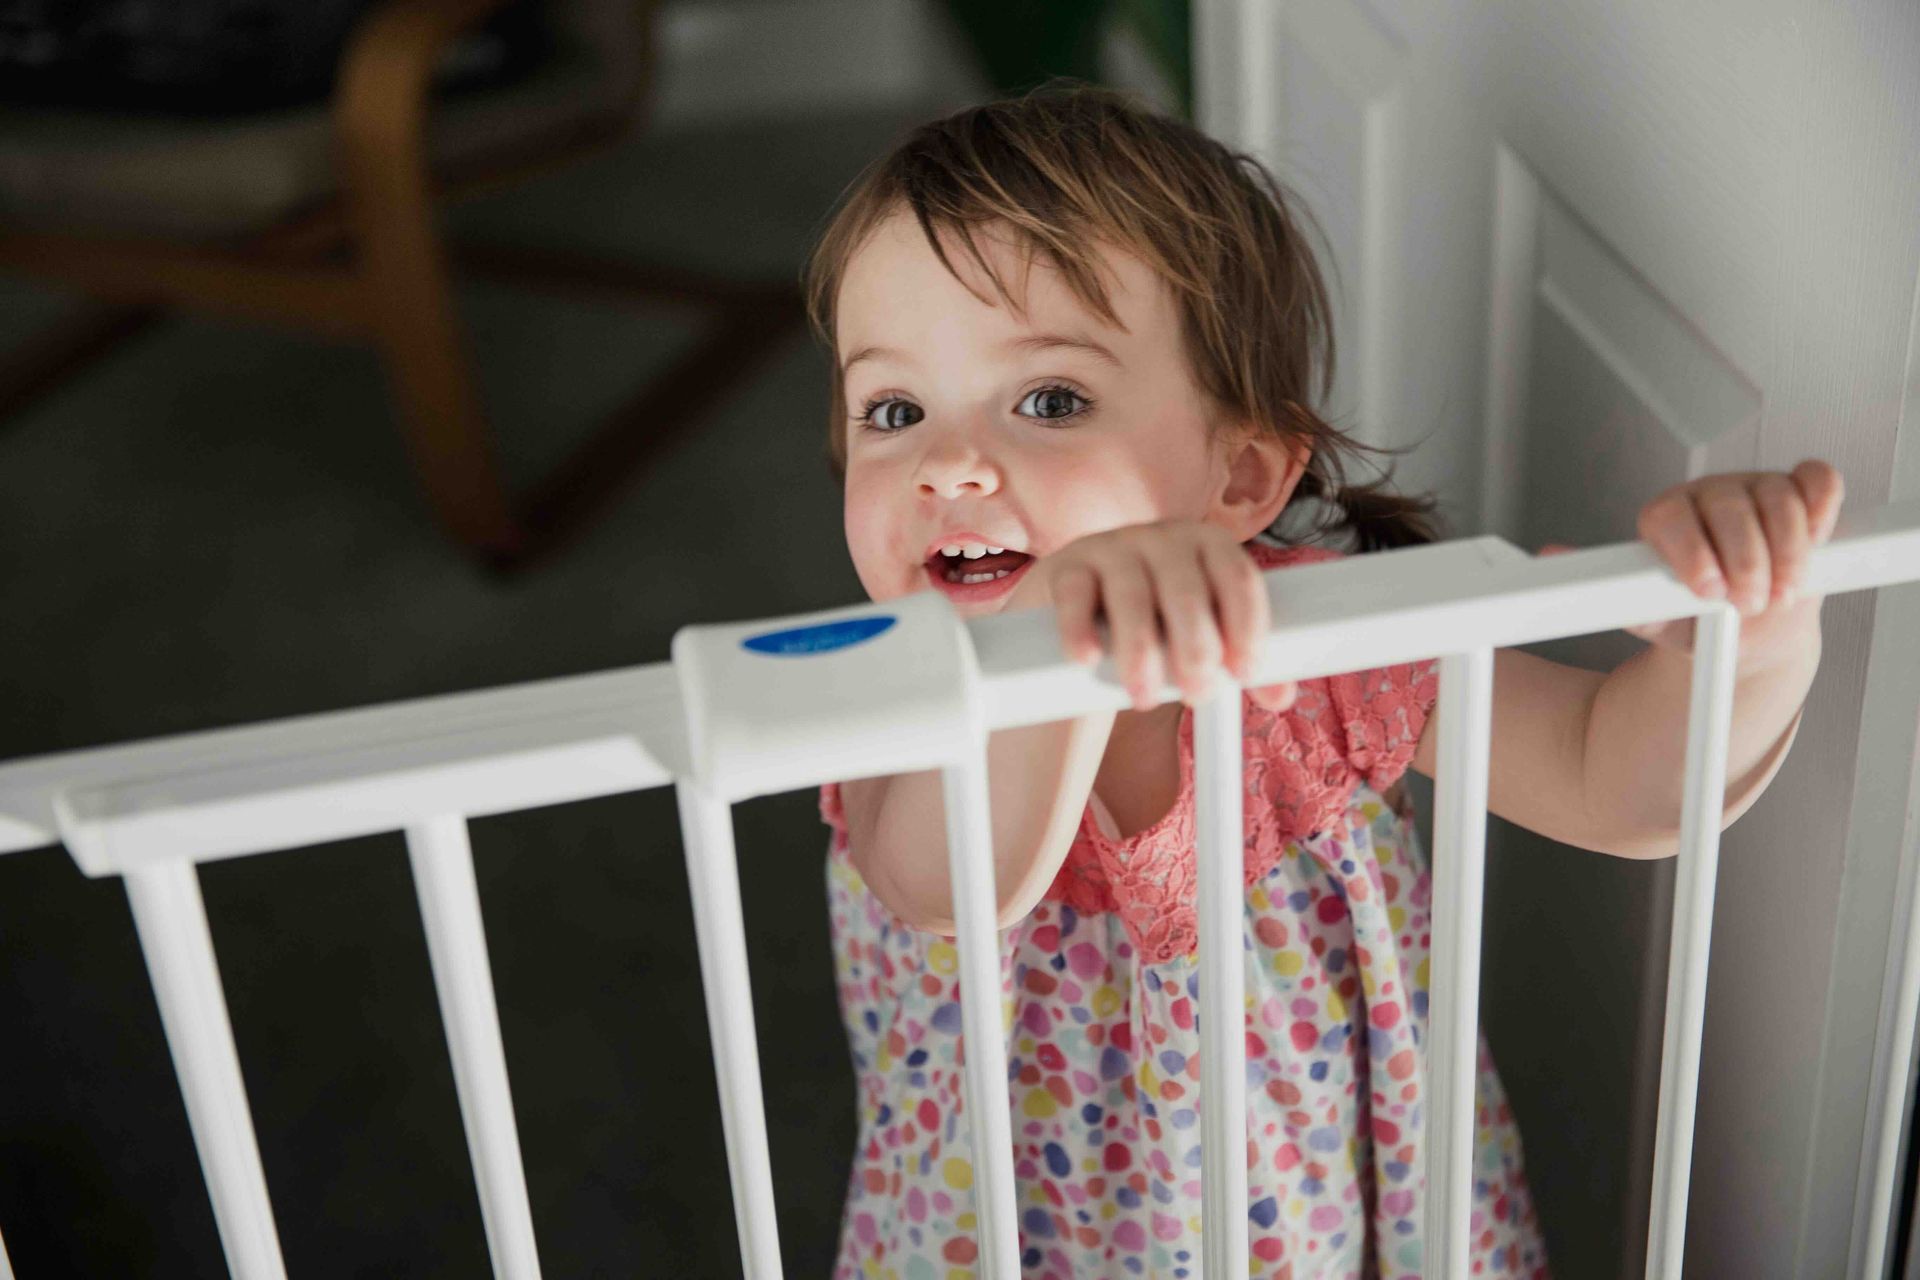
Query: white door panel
x: 1583, y: 250
x: 1341, y: 98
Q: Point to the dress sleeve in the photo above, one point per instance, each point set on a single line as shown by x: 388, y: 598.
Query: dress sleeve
x: 831, y: 811
x: 1342, y: 730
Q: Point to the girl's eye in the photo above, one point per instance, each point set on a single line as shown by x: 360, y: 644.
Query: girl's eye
x: 1052, y: 403
x: 1055, y: 403
x: 887, y: 421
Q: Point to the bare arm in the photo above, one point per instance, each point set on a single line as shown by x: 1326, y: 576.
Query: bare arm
x: 1596, y: 760
x: 1038, y: 778
x: 1599, y: 760
x: 1637, y: 741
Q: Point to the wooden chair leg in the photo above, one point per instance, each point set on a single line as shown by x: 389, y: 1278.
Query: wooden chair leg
x: 668, y: 408
x: 408, y: 304
x: 440, y: 412
x: 41, y: 364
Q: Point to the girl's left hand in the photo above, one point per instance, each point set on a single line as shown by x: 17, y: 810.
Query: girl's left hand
x: 1744, y: 536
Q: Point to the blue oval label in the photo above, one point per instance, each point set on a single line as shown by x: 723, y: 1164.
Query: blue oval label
x: 821, y: 638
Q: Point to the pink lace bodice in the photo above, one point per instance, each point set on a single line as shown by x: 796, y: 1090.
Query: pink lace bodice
x: 1301, y: 768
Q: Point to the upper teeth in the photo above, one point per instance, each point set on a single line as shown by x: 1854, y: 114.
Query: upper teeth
x: 971, y: 550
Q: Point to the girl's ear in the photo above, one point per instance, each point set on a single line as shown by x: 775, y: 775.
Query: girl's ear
x: 1262, y: 470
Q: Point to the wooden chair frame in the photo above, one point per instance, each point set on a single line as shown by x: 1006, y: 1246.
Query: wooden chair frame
x: 371, y: 265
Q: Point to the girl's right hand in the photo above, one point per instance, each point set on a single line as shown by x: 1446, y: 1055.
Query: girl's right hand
x: 1180, y: 598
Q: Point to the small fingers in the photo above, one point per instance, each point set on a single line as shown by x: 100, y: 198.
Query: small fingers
x: 1126, y: 594
x: 1739, y: 543
x: 1240, y: 598
x: 1746, y: 535
x: 1783, y: 515
x: 1075, y: 589
x: 1671, y: 526
x: 1823, y: 489
x: 1186, y: 616
x: 1179, y: 604
x: 1246, y: 615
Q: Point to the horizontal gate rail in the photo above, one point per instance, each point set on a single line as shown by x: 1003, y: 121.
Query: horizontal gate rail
x: 300, y: 781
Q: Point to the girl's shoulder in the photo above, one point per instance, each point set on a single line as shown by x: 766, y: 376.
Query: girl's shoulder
x: 1369, y: 720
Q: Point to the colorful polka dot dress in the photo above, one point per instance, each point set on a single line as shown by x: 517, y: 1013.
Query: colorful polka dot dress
x: 1100, y: 988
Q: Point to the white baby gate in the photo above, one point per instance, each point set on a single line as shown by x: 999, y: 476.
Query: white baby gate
x: 747, y: 710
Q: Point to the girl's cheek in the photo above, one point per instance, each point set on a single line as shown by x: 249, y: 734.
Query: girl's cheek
x: 870, y: 539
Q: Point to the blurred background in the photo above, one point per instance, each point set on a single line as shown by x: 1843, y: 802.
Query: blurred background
x: 238, y: 481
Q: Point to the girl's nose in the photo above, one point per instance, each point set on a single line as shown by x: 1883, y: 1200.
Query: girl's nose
x: 955, y: 468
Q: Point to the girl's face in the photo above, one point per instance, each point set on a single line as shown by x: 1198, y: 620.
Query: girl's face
x: 974, y: 427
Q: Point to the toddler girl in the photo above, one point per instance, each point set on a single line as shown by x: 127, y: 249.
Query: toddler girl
x: 1074, y: 345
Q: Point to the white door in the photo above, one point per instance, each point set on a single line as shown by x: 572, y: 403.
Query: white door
x: 1585, y: 249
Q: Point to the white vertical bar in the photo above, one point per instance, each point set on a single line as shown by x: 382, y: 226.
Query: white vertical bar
x: 1236, y: 98
x: 1890, y: 787
x: 172, y: 922
x: 706, y: 824
x: 975, y: 921
x: 1221, y: 838
x: 457, y: 946
x: 1716, y: 647
x: 1453, y: 996
x: 1875, y: 1238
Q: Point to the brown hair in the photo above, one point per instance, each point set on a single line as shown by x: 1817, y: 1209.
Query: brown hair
x: 1069, y: 164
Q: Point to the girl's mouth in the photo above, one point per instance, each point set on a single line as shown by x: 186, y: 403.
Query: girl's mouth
x: 970, y: 581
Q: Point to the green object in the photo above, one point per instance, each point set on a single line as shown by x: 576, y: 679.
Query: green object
x: 1021, y: 43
